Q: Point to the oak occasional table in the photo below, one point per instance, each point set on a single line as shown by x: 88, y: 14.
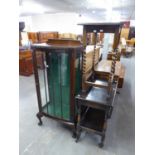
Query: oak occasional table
x: 94, y: 109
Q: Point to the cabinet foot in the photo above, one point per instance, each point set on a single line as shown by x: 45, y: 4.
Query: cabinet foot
x: 39, y: 115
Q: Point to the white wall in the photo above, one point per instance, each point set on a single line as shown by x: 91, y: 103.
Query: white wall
x: 61, y: 22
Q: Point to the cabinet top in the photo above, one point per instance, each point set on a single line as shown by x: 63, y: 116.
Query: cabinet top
x: 58, y: 44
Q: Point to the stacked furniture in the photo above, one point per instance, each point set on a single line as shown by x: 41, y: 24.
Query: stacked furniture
x: 67, y: 36
x: 127, y: 39
x: 44, y: 36
x: 25, y: 63
x: 33, y: 37
x: 25, y: 55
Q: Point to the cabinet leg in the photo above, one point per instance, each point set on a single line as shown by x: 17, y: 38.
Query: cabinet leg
x: 101, y: 144
x: 74, y: 133
x: 74, y: 129
x: 39, y: 115
x: 79, y: 130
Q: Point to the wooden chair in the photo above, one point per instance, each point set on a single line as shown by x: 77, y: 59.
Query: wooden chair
x: 90, y: 59
x: 89, y: 78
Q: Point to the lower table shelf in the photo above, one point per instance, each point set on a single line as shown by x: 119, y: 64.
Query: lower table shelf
x: 93, y: 119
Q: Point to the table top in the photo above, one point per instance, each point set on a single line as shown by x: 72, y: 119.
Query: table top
x: 105, y: 66
x: 98, y: 96
x: 101, y: 23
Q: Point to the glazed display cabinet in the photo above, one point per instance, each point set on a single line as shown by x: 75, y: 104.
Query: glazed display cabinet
x: 59, y: 80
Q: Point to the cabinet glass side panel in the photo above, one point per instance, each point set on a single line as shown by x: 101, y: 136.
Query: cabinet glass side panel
x: 78, y: 69
x: 40, y: 57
